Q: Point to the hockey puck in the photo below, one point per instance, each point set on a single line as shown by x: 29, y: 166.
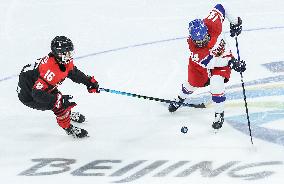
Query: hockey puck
x: 184, y: 129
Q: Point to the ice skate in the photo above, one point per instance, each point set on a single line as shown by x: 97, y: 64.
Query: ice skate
x: 77, y: 117
x: 176, y: 104
x: 76, y: 132
x: 219, y: 120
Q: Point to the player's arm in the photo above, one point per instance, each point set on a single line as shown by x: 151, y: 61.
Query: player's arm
x: 79, y: 77
x: 225, y: 11
x: 221, y: 54
x: 211, y: 61
x: 40, y: 94
x: 228, y: 59
x: 220, y: 61
x: 218, y: 56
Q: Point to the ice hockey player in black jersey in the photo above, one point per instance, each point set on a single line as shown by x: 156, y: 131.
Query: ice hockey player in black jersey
x: 37, y: 86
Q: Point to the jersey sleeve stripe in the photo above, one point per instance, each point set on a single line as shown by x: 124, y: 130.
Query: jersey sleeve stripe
x: 206, y: 60
x: 221, y: 9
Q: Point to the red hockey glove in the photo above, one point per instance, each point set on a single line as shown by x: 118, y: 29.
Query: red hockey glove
x: 62, y: 102
x: 93, y: 86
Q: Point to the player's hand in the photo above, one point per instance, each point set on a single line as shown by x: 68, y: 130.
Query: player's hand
x: 93, y: 86
x: 238, y: 66
x: 236, y: 29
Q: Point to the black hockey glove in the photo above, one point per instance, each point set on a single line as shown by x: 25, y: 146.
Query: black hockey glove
x: 62, y: 102
x: 236, y: 29
x: 93, y: 85
x: 238, y: 66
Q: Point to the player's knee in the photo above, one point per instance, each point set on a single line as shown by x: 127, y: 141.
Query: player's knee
x: 217, y: 84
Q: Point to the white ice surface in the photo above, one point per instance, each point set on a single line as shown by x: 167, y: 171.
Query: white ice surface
x: 124, y: 128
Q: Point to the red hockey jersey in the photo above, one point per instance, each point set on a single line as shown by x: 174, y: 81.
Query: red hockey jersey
x: 51, y: 74
x: 215, y: 53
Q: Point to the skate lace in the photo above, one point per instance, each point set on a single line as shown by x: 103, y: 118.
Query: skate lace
x: 75, y: 116
x: 76, y: 130
x: 218, y: 117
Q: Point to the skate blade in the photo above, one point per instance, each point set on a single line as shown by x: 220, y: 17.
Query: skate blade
x: 79, y: 122
x: 85, y: 137
x: 215, y: 131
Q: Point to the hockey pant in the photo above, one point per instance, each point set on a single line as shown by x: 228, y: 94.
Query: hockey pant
x: 217, y: 90
x: 62, y: 115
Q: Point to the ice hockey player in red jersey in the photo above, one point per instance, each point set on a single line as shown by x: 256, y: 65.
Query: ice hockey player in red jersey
x: 37, y: 86
x: 210, y: 60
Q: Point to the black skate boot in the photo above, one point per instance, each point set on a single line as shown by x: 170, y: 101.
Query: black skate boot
x: 77, y: 117
x: 219, y: 120
x: 175, y: 105
x: 76, y: 132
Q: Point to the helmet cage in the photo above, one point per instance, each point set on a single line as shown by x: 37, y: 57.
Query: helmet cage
x: 203, y: 42
x: 65, y: 57
x: 62, y: 48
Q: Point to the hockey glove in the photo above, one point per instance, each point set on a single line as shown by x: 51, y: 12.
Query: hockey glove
x: 76, y: 132
x: 62, y: 102
x: 238, y: 66
x: 93, y: 86
x: 236, y: 29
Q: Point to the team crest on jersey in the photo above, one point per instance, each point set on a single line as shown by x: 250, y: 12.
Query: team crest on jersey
x: 39, y: 85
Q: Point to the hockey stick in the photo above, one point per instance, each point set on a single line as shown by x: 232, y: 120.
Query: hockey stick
x: 244, y: 91
x: 150, y: 98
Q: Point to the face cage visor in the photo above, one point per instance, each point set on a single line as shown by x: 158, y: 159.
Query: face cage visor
x: 66, y: 57
x: 203, y: 42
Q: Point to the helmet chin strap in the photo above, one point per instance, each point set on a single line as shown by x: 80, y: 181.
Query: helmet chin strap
x: 61, y: 66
